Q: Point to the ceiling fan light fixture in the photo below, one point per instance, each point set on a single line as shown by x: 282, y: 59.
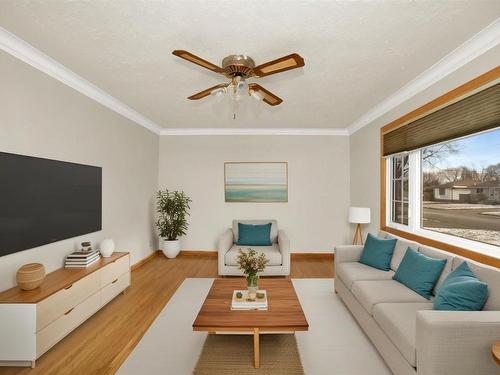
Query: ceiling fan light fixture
x: 256, y: 95
x: 238, y: 68
x: 218, y: 92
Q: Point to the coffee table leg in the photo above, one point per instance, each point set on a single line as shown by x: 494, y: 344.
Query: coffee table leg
x: 256, y: 348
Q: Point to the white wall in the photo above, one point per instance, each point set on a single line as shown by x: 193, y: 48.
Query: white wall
x: 318, y: 186
x: 365, y: 143
x: 42, y: 117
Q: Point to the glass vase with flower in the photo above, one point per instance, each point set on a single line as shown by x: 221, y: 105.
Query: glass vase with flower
x: 251, y: 264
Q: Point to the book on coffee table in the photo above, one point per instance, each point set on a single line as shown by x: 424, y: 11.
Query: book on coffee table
x: 245, y: 304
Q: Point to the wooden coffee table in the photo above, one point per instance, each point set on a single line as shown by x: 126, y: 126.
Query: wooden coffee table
x: 284, y: 314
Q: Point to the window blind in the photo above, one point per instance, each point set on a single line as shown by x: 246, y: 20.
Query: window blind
x: 476, y: 113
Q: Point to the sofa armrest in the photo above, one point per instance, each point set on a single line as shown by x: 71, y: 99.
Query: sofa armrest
x: 225, y: 242
x: 348, y: 253
x: 456, y: 342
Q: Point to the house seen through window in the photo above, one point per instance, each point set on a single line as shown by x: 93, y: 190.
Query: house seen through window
x: 461, y: 188
x: 451, y: 188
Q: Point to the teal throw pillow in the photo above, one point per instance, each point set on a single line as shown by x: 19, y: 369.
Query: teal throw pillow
x: 461, y: 291
x: 419, y: 272
x: 254, y: 235
x: 378, y: 252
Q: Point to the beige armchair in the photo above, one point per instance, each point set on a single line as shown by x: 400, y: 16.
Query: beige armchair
x: 278, y: 253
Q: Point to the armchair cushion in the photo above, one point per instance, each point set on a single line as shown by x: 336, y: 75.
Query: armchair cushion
x: 272, y: 253
x: 254, y: 234
x: 274, y: 228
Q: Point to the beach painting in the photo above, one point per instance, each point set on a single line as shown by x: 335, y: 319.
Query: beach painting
x: 256, y: 182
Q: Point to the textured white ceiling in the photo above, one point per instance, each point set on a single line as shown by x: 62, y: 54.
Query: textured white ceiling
x: 356, y: 53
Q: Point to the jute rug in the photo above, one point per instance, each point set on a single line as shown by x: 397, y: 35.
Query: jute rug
x: 233, y: 354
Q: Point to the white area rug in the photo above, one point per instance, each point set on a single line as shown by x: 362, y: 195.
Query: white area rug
x: 334, y: 344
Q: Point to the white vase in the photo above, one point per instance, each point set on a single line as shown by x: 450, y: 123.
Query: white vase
x: 107, y: 247
x: 171, y: 248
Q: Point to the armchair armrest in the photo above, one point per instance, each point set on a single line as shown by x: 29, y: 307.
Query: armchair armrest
x: 284, y: 244
x: 348, y: 253
x: 225, y: 242
x: 456, y: 342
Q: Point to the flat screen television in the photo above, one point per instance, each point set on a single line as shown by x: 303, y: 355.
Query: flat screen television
x: 44, y: 201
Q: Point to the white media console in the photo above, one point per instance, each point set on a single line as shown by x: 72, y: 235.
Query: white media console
x: 32, y: 322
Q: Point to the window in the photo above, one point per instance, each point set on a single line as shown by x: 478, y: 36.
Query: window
x: 449, y: 192
x: 399, y: 195
x: 440, y: 171
x: 469, y: 169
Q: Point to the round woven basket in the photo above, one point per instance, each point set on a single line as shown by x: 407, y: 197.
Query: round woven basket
x: 30, y: 276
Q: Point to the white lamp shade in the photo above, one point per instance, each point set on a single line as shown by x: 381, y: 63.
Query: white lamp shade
x: 359, y: 215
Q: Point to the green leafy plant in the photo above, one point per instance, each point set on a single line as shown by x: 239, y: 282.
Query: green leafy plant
x: 173, y: 210
x: 251, y: 263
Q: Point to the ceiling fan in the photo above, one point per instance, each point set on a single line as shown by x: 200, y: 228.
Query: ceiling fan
x: 238, y: 68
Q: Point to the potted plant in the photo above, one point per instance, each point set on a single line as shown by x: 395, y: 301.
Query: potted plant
x: 251, y: 264
x: 173, y: 209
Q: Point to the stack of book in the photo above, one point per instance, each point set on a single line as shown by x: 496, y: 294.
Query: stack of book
x: 81, y: 259
x: 244, y: 303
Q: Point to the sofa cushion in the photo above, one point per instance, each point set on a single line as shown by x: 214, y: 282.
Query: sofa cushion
x: 377, y: 252
x: 272, y: 253
x: 274, y: 228
x: 254, y: 234
x: 399, y: 322
x: 419, y: 272
x: 350, y: 272
x: 438, y: 254
x: 400, y: 249
x: 461, y: 291
x: 487, y: 274
x: 370, y: 293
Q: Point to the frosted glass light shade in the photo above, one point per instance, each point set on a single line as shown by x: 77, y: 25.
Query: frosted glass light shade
x: 359, y: 215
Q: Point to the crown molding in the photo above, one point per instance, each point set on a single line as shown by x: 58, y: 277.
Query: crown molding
x: 486, y: 39
x: 24, y: 51
x: 255, y: 131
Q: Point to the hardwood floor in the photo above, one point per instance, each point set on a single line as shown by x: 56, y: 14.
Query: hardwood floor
x: 102, y: 343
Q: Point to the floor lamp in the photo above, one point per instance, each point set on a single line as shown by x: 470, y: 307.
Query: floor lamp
x: 358, y: 216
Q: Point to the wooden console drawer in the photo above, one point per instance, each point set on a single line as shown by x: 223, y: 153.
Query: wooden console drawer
x: 114, y: 270
x: 116, y: 287
x: 50, y: 335
x: 54, y: 306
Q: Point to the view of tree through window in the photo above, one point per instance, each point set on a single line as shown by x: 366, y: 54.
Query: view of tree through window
x: 461, y: 188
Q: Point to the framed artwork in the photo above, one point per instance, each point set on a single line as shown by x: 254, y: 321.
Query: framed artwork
x: 256, y: 182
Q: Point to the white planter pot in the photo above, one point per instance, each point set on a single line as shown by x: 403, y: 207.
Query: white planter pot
x: 171, y: 248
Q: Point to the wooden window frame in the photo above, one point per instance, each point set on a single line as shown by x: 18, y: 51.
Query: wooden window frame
x: 433, y: 105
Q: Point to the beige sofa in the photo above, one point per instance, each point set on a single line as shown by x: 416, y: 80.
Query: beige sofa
x: 278, y: 253
x: 410, y: 336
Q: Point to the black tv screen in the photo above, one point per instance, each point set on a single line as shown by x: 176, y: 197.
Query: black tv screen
x: 44, y: 201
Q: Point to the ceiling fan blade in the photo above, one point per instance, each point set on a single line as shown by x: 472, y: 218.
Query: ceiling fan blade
x: 204, y: 93
x: 197, y: 60
x: 267, y: 96
x: 279, y: 65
